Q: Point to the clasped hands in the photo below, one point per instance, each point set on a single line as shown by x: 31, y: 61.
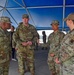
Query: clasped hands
x: 56, y: 59
x: 26, y: 43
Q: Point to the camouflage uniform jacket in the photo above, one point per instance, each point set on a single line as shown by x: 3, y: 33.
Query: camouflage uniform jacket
x: 13, y: 44
x: 54, y: 40
x: 5, y: 48
x: 67, y: 53
x: 24, y: 34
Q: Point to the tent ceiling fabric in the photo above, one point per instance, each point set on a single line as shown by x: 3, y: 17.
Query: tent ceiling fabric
x: 41, y: 12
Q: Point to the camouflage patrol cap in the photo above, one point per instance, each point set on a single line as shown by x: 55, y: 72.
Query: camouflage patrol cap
x: 25, y: 16
x: 55, y: 22
x: 70, y: 16
x: 5, y: 19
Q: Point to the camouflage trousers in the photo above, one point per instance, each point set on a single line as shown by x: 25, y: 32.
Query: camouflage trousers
x: 67, y: 68
x: 25, y: 58
x: 4, y: 68
x: 53, y: 67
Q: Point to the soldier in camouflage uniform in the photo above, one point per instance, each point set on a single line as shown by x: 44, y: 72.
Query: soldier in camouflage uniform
x: 25, y: 37
x: 66, y: 50
x: 54, y: 40
x: 5, y: 47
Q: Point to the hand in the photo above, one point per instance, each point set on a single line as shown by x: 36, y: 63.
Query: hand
x: 24, y: 43
x: 38, y: 44
x: 29, y: 43
x: 52, y: 55
x: 16, y: 48
x: 57, y: 61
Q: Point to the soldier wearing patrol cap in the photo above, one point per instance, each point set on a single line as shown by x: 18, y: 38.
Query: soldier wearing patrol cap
x: 25, y: 16
x: 66, y: 50
x: 55, y: 22
x: 25, y: 38
x: 54, y: 40
x: 5, y: 48
x: 5, y: 19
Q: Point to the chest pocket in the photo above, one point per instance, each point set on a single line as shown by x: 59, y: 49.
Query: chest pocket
x: 25, y: 34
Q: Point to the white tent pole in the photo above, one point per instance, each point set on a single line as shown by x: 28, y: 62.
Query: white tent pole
x: 12, y: 16
x: 51, y: 6
x: 69, y: 5
x: 40, y: 7
x: 4, y: 8
x: 1, y: 9
x: 33, y: 7
x: 63, y: 13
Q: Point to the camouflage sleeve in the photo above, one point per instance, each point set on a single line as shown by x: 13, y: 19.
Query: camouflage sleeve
x: 60, y: 40
x: 16, y: 38
x: 49, y: 39
x: 67, y: 48
x: 9, y: 47
x: 5, y: 45
x: 66, y: 52
x: 13, y: 43
x: 61, y: 36
x: 57, y: 49
x: 35, y: 34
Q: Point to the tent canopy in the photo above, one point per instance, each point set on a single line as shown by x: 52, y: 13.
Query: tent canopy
x: 41, y: 12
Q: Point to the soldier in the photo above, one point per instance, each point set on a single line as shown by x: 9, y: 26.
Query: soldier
x: 13, y: 44
x: 5, y: 45
x: 66, y: 50
x: 37, y: 43
x: 54, y: 40
x: 44, y: 40
x: 25, y: 37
